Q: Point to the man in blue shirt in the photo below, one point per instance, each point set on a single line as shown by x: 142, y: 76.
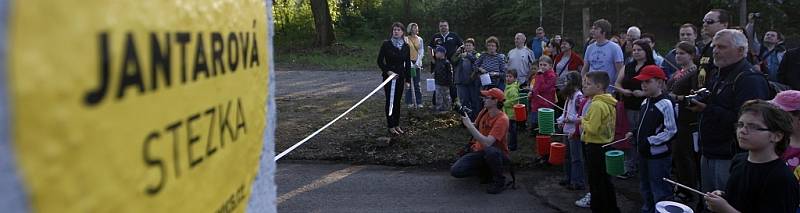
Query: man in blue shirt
x: 538, y: 43
x: 603, y: 55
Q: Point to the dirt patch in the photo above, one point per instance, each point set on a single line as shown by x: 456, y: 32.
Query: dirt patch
x: 307, y: 100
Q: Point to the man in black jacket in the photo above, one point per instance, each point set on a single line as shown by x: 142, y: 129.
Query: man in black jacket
x: 450, y: 41
x: 789, y: 71
x: 734, y: 83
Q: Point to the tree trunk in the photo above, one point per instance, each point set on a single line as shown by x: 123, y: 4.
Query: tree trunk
x: 407, y: 9
x: 322, y: 22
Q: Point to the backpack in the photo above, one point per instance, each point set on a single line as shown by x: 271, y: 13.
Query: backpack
x: 774, y: 87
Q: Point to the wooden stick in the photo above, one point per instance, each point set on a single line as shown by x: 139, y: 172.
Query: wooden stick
x: 617, y: 141
x: 685, y: 187
x: 555, y: 105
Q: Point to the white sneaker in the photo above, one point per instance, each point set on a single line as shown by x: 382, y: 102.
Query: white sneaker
x: 584, y: 202
x: 411, y: 106
x: 420, y: 106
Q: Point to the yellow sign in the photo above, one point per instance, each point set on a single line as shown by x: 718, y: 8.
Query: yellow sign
x: 138, y: 105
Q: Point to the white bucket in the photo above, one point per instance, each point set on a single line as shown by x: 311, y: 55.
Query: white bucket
x: 430, y: 85
x: 485, y: 79
x: 672, y: 207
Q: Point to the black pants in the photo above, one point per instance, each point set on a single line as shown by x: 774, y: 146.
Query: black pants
x: 604, y: 197
x: 394, y: 119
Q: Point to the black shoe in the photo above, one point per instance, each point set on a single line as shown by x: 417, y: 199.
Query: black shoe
x: 625, y: 176
x: 496, y: 187
x: 563, y: 183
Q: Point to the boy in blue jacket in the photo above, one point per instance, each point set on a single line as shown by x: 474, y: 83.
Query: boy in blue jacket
x: 654, y: 133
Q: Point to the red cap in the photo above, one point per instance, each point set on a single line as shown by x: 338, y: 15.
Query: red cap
x: 651, y: 71
x: 494, y: 93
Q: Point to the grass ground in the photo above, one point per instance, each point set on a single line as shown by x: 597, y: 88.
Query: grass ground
x: 346, y: 54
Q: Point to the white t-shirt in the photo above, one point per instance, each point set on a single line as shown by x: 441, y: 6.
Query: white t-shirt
x: 521, y: 59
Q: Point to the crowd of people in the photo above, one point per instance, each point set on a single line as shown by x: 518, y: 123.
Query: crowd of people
x: 719, y: 113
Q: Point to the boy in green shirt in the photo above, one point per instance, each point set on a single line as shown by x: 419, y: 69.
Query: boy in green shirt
x: 512, y: 94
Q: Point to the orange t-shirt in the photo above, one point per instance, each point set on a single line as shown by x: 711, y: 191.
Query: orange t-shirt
x: 496, y: 127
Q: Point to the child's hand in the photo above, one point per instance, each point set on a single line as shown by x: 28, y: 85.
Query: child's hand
x: 716, y: 203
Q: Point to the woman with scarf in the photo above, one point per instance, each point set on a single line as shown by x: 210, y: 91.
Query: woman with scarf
x: 394, y: 58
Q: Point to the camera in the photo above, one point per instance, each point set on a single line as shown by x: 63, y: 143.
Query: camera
x: 698, y: 95
x: 755, y: 15
x: 462, y: 110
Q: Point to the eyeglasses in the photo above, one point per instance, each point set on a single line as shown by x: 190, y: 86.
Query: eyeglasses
x: 750, y: 127
x: 710, y: 22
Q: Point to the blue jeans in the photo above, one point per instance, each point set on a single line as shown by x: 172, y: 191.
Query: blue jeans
x: 574, y: 167
x: 470, y: 97
x: 417, y: 90
x: 512, y: 135
x: 474, y: 163
x: 533, y: 118
x: 651, y: 185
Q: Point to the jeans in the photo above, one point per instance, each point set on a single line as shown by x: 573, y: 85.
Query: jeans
x: 474, y: 163
x: 533, y: 119
x: 512, y: 135
x: 714, y: 173
x: 470, y: 97
x: 651, y: 185
x: 442, y: 98
x: 604, y: 197
x: 574, y: 167
x: 631, y: 154
x: 417, y: 91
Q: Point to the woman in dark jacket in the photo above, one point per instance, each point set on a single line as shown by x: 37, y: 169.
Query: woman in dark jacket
x: 393, y: 58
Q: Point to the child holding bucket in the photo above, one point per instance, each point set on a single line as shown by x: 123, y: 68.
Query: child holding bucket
x: 597, y: 129
x: 654, y: 133
x: 759, y: 180
x: 544, y: 88
x: 574, y: 178
x: 512, y: 97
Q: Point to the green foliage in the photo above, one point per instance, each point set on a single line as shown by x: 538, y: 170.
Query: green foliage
x: 369, y: 20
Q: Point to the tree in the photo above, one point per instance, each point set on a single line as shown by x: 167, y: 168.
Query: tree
x: 322, y: 22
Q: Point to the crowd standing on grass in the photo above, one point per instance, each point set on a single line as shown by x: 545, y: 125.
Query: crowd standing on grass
x: 719, y: 113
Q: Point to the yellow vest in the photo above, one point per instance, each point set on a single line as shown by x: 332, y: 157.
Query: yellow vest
x: 413, y: 43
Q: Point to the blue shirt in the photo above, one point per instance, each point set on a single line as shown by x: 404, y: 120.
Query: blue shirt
x: 603, y: 57
x: 537, y: 45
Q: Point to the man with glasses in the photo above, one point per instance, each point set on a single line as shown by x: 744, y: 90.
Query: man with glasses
x: 714, y: 21
x: 733, y: 84
x: 487, y: 150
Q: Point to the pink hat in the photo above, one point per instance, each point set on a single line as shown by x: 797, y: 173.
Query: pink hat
x: 788, y: 100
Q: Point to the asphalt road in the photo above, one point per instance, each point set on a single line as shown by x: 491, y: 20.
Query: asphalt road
x: 324, y: 187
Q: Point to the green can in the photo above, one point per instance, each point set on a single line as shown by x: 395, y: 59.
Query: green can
x: 615, y: 162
